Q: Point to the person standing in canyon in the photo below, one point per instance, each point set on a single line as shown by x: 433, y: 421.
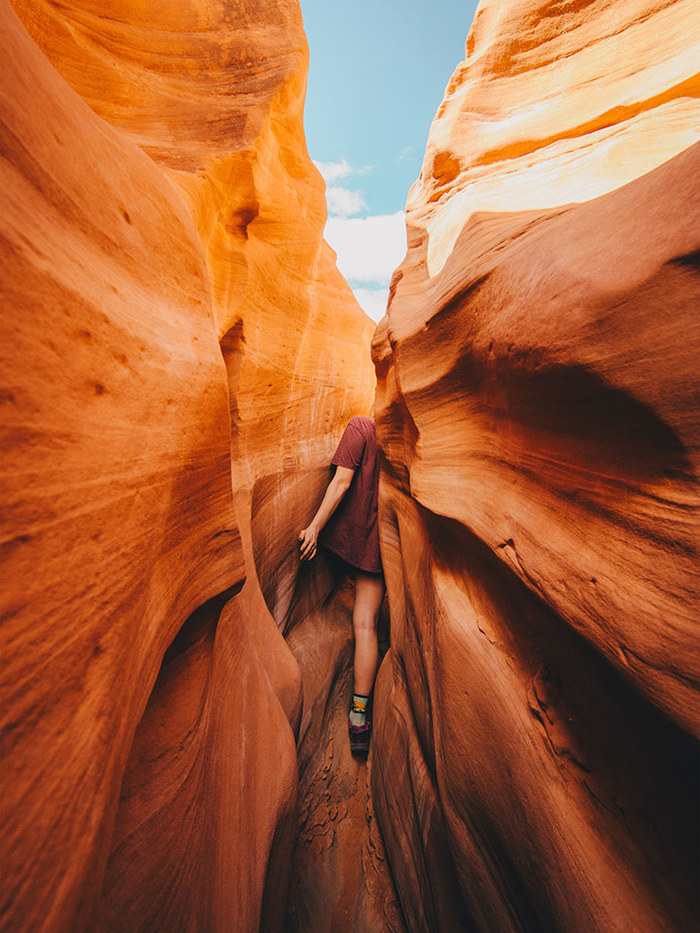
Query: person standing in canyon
x: 347, y: 517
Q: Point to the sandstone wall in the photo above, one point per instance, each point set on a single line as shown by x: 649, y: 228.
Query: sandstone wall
x: 182, y: 356
x: 538, y: 419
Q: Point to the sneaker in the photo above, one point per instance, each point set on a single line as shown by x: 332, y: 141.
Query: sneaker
x: 359, y: 737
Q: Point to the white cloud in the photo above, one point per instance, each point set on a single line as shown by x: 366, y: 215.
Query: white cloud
x: 332, y: 171
x: 368, y: 248
x: 342, y: 202
x: 373, y: 301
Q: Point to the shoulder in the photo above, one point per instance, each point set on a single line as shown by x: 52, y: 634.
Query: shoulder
x: 363, y: 424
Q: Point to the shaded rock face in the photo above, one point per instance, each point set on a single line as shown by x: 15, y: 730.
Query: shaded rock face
x: 538, y: 421
x: 181, y: 356
x: 340, y: 879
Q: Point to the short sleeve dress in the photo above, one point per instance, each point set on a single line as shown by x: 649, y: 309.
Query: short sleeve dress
x: 352, y: 531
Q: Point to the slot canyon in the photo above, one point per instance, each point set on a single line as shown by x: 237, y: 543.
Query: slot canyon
x: 180, y: 356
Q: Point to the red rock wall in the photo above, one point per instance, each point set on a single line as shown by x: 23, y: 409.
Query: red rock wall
x: 538, y: 419
x: 175, y: 321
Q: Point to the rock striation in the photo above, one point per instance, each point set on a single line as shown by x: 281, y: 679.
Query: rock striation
x: 181, y: 357
x: 538, y: 420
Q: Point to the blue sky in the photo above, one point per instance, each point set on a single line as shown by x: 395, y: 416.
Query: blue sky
x: 378, y: 71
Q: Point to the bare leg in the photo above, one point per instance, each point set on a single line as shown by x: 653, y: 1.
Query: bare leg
x: 369, y: 593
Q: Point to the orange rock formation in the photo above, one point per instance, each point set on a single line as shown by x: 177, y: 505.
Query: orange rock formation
x: 537, y: 412
x: 180, y: 357
x: 162, y: 213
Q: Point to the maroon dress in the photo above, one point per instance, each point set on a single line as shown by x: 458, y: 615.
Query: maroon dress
x: 352, y: 531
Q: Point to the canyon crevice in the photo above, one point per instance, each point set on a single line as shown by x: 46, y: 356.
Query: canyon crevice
x: 181, y: 355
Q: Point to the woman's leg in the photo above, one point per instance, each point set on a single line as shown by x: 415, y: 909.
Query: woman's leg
x: 369, y: 593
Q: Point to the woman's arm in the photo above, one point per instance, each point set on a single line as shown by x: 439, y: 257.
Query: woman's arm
x: 337, y: 488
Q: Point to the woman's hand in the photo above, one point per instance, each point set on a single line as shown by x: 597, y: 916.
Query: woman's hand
x: 309, y: 540
x: 335, y: 491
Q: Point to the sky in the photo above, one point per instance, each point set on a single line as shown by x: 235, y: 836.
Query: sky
x: 377, y: 74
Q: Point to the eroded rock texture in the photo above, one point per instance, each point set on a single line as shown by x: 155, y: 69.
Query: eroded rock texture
x: 340, y: 879
x: 173, y: 321
x: 537, y: 412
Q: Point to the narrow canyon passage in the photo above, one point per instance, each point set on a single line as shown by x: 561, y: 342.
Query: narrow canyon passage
x: 181, y: 357
x: 340, y: 877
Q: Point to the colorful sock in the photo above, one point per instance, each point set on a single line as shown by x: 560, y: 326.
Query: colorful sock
x: 358, y: 713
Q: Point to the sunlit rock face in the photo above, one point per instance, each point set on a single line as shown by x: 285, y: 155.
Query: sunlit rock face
x: 174, y: 322
x: 214, y: 94
x: 537, y: 415
x: 556, y: 103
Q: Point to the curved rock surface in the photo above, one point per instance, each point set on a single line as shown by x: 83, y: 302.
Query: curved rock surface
x: 181, y: 356
x: 149, y: 713
x: 118, y: 517
x: 215, y: 95
x: 537, y: 415
x: 556, y: 103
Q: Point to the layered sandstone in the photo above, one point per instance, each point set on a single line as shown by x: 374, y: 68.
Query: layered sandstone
x: 537, y: 413
x: 531, y: 767
x: 119, y: 518
x: 175, y: 321
x: 214, y: 94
